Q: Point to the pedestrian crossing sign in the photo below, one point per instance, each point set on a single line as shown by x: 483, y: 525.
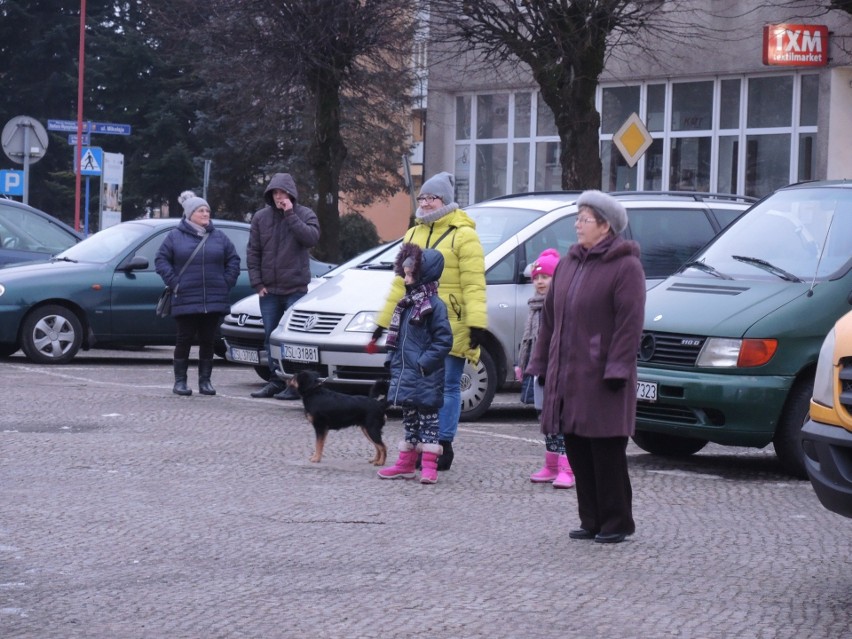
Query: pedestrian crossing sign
x: 91, y: 160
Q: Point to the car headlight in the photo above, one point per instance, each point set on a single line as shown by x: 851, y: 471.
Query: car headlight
x: 721, y: 352
x: 363, y: 322
x: 824, y: 379
x: 2, y: 289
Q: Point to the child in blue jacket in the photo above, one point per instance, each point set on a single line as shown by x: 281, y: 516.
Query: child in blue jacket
x: 419, y: 339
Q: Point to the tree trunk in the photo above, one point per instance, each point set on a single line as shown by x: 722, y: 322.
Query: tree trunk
x: 326, y: 155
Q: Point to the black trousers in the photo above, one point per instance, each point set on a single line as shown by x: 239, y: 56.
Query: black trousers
x: 203, y: 325
x: 604, y: 493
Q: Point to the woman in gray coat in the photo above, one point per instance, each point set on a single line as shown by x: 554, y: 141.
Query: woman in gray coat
x: 585, y: 357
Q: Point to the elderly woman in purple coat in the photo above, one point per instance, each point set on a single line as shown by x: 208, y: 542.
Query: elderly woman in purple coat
x: 585, y: 357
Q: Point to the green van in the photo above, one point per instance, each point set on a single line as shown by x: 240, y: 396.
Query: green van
x: 731, y: 341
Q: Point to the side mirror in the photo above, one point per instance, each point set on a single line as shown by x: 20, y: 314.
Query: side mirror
x: 135, y: 263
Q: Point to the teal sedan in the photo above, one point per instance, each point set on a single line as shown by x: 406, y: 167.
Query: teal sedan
x: 101, y: 292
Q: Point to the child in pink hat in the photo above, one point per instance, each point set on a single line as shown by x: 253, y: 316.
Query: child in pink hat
x: 556, y: 470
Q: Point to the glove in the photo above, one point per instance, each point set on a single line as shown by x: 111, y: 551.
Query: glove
x: 541, y: 380
x: 477, y: 337
x: 378, y: 333
x: 615, y: 384
x: 371, y: 347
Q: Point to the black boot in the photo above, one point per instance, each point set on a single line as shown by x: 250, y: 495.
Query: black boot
x: 205, y: 369
x: 445, y: 459
x: 272, y: 387
x: 180, y: 387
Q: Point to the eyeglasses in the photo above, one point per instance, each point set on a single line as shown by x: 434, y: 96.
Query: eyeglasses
x: 585, y: 220
x: 428, y: 198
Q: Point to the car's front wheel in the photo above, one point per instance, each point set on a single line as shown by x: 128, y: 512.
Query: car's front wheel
x: 788, y: 436
x: 478, y: 387
x: 668, y: 445
x: 51, y: 334
x: 264, y: 372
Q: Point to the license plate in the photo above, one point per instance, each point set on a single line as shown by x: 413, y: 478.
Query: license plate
x: 245, y: 355
x: 292, y: 353
x: 646, y: 391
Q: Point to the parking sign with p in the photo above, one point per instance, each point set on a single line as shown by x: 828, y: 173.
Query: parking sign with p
x: 12, y: 183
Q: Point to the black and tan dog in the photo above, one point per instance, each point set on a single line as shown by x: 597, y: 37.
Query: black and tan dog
x: 329, y: 410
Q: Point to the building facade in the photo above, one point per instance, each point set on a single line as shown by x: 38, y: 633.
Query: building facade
x: 731, y: 111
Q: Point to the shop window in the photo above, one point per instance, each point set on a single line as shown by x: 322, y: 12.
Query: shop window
x: 545, y: 123
x: 690, y: 164
x: 462, y: 174
x: 807, y: 157
x: 770, y: 102
x: 809, y: 100
x: 618, y: 103
x: 490, y: 171
x: 767, y: 163
x: 692, y: 106
x: 617, y: 176
x: 654, y: 166
x: 463, y: 117
x: 548, y: 171
x: 523, y: 102
x: 520, y: 168
x: 656, y: 119
x: 492, y: 116
x: 729, y: 104
x: 729, y: 163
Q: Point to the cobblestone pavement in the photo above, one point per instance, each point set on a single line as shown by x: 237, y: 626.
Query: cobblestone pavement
x: 129, y: 512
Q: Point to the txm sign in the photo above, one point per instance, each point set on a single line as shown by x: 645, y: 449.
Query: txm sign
x: 795, y: 45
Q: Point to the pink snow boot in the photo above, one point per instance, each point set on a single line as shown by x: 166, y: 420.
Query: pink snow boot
x: 429, y: 463
x: 404, y: 466
x: 549, y: 471
x: 565, y: 478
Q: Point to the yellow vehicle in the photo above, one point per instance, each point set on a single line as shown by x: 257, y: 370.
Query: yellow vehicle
x: 827, y: 435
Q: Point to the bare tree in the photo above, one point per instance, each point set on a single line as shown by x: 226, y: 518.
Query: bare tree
x: 316, y: 78
x: 565, y: 44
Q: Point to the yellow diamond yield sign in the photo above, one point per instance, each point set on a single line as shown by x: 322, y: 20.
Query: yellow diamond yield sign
x: 632, y: 139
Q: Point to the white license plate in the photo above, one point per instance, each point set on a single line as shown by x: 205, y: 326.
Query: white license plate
x: 244, y: 355
x: 293, y: 353
x: 646, y: 391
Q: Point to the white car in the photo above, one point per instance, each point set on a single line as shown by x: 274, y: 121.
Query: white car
x: 328, y: 329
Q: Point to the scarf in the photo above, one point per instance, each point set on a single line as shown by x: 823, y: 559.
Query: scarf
x: 530, y: 329
x: 418, y: 299
x: 437, y: 214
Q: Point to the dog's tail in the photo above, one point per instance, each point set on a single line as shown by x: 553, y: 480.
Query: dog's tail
x: 379, y: 391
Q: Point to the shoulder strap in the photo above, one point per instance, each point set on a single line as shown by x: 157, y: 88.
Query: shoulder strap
x: 445, y: 234
x: 192, y: 255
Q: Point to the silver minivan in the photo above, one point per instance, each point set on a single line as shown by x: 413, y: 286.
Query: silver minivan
x: 328, y: 329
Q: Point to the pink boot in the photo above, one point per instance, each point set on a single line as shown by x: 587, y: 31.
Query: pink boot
x: 429, y: 463
x: 549, y: 471
x: 565, y: 478
x: 404, y: 466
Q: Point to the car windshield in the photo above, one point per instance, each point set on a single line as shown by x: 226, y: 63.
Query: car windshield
x: 797, y: 233
x: 494, y: 225
x: 23, y: 230
x: 105, y: 245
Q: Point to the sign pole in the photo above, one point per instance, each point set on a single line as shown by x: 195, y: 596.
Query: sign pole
x: 26, y: 165
x: 86, y: 231
x: 78, y: 147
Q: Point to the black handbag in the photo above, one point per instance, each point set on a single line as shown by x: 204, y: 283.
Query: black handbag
x: 164, y: 303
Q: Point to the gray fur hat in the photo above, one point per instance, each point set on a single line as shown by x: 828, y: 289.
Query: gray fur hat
x: 607, y: 207
x: 443, y: 185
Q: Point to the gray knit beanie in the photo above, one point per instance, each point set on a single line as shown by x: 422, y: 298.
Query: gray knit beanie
x: 442, y: 185
x: 607, y: 207
x: 190, y: 202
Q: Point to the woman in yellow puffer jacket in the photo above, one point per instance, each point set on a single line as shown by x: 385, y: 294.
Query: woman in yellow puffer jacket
x: 440, y: 224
